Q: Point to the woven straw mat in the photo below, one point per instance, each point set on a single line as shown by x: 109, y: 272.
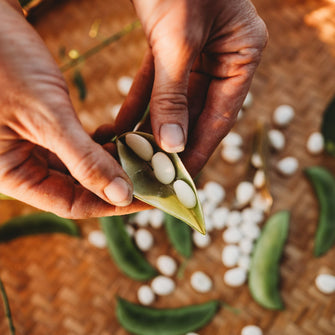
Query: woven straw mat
x: 61, y: 285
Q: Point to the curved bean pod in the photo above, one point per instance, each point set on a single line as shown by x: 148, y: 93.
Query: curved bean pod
x: 36, y: 223
x: 122, y: 249
x: 324, y: 185
x: 264, y: 268
x: 142, y: 320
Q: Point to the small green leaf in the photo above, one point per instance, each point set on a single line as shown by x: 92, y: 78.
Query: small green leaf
x: 79, y: 82
x: 149, y: 190
x: 328, y: 127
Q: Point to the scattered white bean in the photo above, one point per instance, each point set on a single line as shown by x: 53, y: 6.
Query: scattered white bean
x: 283, y: 115
x: 250, y: 230
x: 140, y: 145
x: 201, y: 282
x: 156, y: 218
x: 145, y: 295
x: 215, y: 193
x: 315, y: 143
x: 124, y: 84
x: 256, y: 160
x: 230, y: 255
x: 235, y: 277
x: 248, y: 100
x: 114, y: 111
x: 240, y: 115
x: 259, y: 202
x: 208, y: 207
x: 232, y: 235
x: 244, y: 262
x: 144, y: 239
x: 130, y: 230
x: 184, y: 193
x: 192, y: 334
x: 142, y: 218
x: 259, y: 179
x: 234, y: 218
x: 162, y: 285
x: 251, y: 330
x: 166, y: 265
x: 244, y: 192
x: 219, y: 217
x: 208, y: 223
x: 276, y: 139
x: 231, y: 154
x: 202, y: 196
x: 97, y: 238
x: 325, y: 283
x: 288, y: 166
x: 232, y: 139
x: 200, y: 240
x: 163, y: 168
x: 246, y: 245
x: 253, y: 214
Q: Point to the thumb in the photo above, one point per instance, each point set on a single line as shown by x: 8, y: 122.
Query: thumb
x: 168, y: 106
x: 92, y: 166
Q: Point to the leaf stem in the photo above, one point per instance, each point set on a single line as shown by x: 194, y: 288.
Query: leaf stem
x: 7, y: 308
x: 107, y: 41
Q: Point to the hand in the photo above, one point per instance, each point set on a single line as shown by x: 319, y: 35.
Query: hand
x: 46, y: 158
x: 202, y: 57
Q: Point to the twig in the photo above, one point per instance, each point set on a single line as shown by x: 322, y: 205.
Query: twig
x: 115, y: 37
x: 7, y: 308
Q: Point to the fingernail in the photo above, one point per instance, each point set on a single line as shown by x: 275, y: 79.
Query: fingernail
x: 119, y: 192
x: 172, y: 137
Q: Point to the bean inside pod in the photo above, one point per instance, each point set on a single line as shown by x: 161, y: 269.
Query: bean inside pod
x: 149, y: 189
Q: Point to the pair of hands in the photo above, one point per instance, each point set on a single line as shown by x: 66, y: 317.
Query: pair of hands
x: 196, y: 74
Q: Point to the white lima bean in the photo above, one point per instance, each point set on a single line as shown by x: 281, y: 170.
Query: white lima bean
x: 235, y: 277
x: 256, y: 160
x: 163, y: 167
x: 201, y: 282
x: 144, y: 239
x: 251, y: 330
x: 325, y: 283
x: 140, y: 145
x: 192, y: 334
x: 250, y: 230
x: 315, y: 143
x: 166, y: 265
x: 253, y: 214
x: 145, y: 295
x: 124, y: 84
x: 97, y: 238
x: 232, y: 235
x: 185, y: 193
x: 248, y: 100
x: 230, y: 255
x: 232, y: 139
x: 234, y: 218
x: 162, y: 285
x: 219, y: 217
x: 245, y: 191
x: 231, y: 154
x: 200, y: 240
x: 244, y: 262
x: 276, y: 139
x: 288, y: 166
x: 214, y: 192
x: 259, y: 179
x: 246, y: 245
x: 142, y: 218
x: 156, y: 219
x: 283, y: 115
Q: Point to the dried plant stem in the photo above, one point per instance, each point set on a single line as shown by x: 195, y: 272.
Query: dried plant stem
x: 7, y: 308
x: 115, y: 37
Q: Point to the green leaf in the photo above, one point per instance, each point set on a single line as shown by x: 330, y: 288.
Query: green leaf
x: 149, y: 190
x: 79, y: 82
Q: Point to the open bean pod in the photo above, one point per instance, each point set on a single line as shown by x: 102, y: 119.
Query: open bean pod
x: 176, y: 196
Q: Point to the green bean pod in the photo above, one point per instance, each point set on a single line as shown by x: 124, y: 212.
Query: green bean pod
x: 324, y: 185
x: 36, y: 223
x: 142, y: 320
x: 179, y: 234
x: 122, y: 249
x: 264, y: 268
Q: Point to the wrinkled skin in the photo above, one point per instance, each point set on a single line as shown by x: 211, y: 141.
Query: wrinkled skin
x: 197, y: 71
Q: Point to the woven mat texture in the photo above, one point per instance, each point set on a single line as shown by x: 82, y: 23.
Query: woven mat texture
x: 60, y: 285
